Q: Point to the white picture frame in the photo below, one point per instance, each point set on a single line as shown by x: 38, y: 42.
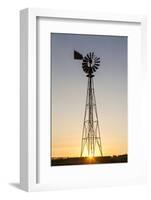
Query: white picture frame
x: 29, y: 148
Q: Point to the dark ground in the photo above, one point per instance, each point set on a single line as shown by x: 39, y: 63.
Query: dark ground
x: 86, y: 160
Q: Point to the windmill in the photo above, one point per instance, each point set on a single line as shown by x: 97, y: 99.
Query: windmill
x: 91, y: 139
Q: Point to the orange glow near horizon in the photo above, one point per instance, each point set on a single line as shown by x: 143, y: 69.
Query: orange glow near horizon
x: 71, y: 148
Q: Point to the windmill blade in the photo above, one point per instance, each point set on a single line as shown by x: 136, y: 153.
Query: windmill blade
x: 92, y: 55
x: 88, y: 56
x: 96, y: 64
x: 84, y: 64
x: 84, y: 67
x: 85, y: 59
x: 96, y: 67
x: 96, y: 59
x: 94, y: 70
x: 86, y: 70
x: 77, y: 55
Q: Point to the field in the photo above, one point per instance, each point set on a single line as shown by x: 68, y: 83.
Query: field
x: 89, y: 160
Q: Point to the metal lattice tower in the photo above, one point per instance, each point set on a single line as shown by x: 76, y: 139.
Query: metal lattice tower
x: 91, y: 139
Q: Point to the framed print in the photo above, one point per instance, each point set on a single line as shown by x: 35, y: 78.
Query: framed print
x: 81, y: 94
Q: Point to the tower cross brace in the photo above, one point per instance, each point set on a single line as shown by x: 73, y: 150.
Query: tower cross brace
x: 91, y: 138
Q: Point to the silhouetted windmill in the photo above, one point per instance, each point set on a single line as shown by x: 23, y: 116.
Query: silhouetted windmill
x: 91, y: 138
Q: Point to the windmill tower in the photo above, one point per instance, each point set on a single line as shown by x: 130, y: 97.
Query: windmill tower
x: 91, y: 139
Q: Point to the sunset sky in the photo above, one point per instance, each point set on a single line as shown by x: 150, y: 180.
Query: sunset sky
x: 69, y: 84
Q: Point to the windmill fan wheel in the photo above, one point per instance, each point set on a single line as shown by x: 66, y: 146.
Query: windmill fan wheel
x: 90, y: 63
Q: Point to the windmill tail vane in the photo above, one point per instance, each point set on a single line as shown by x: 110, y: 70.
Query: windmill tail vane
x: 91, y: 136
x: 77, y: 55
